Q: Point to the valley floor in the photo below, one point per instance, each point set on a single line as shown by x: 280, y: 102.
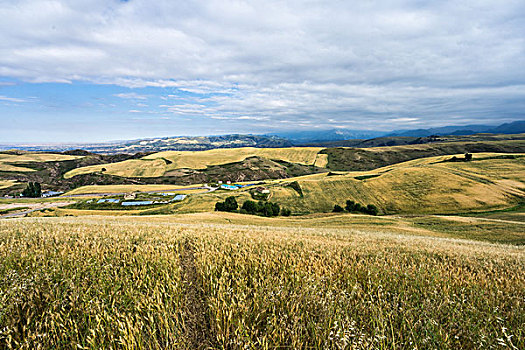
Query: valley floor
x: 220, y: 280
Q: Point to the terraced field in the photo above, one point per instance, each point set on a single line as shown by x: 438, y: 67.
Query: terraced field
x: 199, y: 282
x: 158, y: 163
x: 8, y: 162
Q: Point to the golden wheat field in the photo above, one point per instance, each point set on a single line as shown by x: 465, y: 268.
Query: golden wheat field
x: 164, y: 282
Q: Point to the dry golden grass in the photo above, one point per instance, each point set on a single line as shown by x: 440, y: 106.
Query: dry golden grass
x: 35, y: 157
x: 154, y: 164
x: 6, y: 183
x: 202, y: 159
x: 127, y: 168
x: 142, y: 282
x: 8, y: 161
x: 418, y: 186
x: 94, y: 189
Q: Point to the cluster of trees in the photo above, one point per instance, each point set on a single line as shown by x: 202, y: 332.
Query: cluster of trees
x: 32, y: 190
x: 353, y: 207
x: 468, y: 158
x: 262, y: 208
x: 229, y: 204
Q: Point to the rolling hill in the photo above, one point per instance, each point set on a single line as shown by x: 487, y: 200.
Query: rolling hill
x: 161, y: 163
x: 422, y: 186
x: 338, y: 159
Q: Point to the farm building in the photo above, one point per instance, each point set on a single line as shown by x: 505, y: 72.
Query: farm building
x: 262, y: 190
x: 128, y: 196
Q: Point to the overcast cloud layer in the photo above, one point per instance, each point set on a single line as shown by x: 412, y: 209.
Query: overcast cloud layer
x: 269, y: 64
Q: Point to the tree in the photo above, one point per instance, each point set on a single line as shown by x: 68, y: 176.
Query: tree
x: 338, y: 209
x: 230, y: 204
x: 250, y: 207
x: 275, y: 209
x: 219, y: 206
x: 32, y: 190
x: 350, y: 205
x: 371, y: 209
x: 468, y: 157
x: 286, y: 212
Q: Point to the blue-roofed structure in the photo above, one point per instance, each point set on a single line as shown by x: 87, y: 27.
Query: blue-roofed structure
x: 108, y: 200
x: 136, y: 203
x: 178, y: 197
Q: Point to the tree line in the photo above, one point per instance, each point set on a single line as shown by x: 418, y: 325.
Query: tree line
x: 262, y: 208
x: 354, y: 207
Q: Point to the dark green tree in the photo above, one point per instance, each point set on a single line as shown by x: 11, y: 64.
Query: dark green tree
x: 219, y: 206
x: 350, y: 205
x: 286, y: 212
x: 338, y: 208
x: 32, y: 190
x: 230, y: 204
x: 250, y: 207
x: 371, y: 209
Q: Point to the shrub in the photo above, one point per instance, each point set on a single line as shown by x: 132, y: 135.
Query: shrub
x: 286, y: 212
x: 338, y: 209
x: 352, y: 206
x: 371, y: 209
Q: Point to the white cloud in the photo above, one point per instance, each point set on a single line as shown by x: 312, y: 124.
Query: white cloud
x: 132, y: 95
x: 13, y: 99
x: 329, y: 63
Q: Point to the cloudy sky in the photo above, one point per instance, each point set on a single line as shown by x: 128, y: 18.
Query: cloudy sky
x: 94, y: 70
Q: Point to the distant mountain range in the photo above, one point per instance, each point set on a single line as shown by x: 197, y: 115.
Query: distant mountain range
x: 516, y: 127
x: 307, y: 136
x: 324, y: 138
x: 176, y: 143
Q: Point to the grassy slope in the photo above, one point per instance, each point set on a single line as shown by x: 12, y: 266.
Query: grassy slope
x: 94, y: 189
x: 156, y: 165
x: 418, y: 186
x: 8, y: 161
x: 363, y: 159
x: 6, y: 183
x: 127, y: 168
x: 135, y: 283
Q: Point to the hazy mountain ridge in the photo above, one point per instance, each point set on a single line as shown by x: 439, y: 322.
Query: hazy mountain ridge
x: 324, y: 138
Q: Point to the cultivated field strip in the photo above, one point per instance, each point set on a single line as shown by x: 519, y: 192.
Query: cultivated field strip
x: 127, y: 283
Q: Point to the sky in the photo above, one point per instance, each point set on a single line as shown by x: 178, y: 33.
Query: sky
x: 100, y: 70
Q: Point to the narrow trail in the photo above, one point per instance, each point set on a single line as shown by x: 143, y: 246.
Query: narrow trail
x: 196, y: 324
